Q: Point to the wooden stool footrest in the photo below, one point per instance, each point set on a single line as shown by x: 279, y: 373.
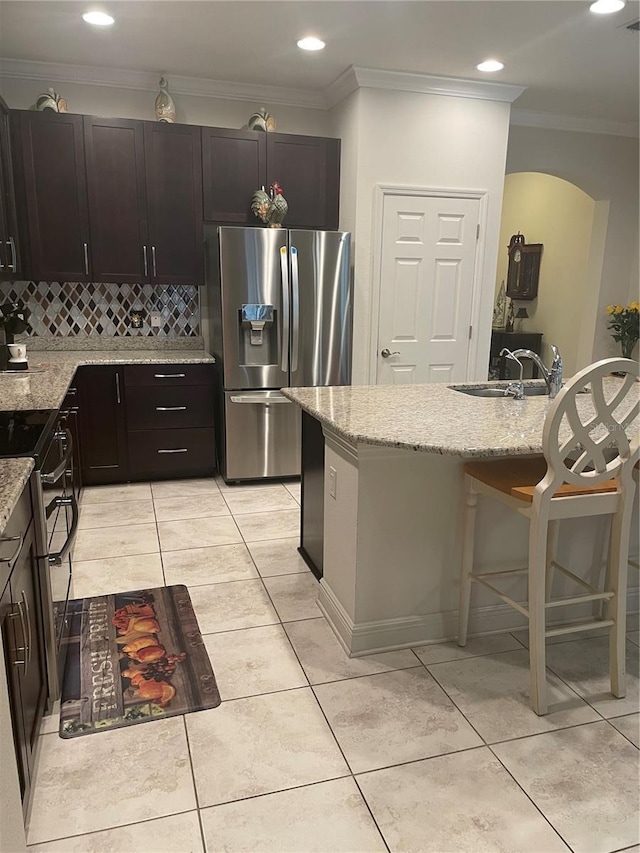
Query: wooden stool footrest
x: 572, y: 629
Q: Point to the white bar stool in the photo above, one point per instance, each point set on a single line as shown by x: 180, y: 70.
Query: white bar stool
x: 586, y: 470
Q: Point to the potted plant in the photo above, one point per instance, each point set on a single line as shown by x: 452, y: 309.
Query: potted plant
x: 624, y: 324
x: 14, y: 318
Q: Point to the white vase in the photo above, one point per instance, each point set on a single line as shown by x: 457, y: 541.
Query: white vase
x: 165, y: 108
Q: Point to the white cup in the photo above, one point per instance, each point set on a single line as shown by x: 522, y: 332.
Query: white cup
x: 18, y: 352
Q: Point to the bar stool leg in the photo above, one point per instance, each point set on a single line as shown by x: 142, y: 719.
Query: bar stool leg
x: 552, y: 545
x: 468, y: 533
x: 538, y: 536
x: 616, y: 607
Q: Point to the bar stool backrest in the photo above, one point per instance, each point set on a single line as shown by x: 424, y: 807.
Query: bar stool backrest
x: 584, y: 439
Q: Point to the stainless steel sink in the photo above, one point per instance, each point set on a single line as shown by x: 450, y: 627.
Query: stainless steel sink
x: 493, y: 391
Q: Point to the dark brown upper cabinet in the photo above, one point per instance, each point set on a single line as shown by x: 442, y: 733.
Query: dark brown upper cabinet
x: 238, y: 162
x: 308, y: 170
x: 54, y: 208
x: 173, y: 158
x: 10, y: 267
x: 119, y: 245
x: 234, y: 165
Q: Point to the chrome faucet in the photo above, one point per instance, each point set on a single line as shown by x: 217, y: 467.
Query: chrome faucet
x: 515, y: 389
x: 553, y: 375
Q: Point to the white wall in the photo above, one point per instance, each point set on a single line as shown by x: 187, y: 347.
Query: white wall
x: 606, y: 168
x: 419, y: 140
x: 110, y: 101
x: 557, y: 214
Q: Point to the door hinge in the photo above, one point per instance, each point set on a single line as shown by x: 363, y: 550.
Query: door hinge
x: 478, y: 231
x: 470, y: 331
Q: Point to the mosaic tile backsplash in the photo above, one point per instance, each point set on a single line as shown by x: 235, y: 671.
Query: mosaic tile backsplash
x: 68, y: 309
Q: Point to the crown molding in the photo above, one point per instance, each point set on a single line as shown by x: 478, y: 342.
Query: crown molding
x: 552, y: 121
x: 52, y: 72
x: 425, y: 84
x: 351, y: 79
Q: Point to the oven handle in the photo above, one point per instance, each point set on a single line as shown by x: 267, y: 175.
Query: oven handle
x: 57, y: 558
x: 53, y: 476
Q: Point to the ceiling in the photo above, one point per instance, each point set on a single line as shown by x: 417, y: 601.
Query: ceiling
x: 573, y: 63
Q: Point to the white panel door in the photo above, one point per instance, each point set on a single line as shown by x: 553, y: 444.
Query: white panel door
x: 428, y: 256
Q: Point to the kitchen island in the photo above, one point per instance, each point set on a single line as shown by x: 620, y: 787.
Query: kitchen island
x: 393, y: 504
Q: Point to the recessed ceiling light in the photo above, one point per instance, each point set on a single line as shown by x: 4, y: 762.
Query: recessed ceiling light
x: 606, y: 7
x: 490, y: 65
x: 311, y: 43
x: 98, y: 19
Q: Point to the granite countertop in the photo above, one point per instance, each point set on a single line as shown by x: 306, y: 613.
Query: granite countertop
x: 47, y: 389
x: 14, y: 475
x: 433, y: 418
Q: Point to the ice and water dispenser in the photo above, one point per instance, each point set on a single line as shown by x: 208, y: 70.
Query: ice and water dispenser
x: 258, y: 340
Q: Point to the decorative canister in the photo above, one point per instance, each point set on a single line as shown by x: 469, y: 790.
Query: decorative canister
x: 165, y: 108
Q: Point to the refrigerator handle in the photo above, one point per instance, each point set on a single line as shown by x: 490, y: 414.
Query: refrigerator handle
x: 284, y: 266
x: 295, y: 308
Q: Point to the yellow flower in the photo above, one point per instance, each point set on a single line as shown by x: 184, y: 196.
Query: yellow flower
x: 610, y: 309
x: 619, y: 309
x: 634, y: 306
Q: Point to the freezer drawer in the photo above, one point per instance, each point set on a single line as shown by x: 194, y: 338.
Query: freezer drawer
x: 262, y: 435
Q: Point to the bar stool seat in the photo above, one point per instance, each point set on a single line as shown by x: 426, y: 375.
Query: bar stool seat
x: 586, y: 470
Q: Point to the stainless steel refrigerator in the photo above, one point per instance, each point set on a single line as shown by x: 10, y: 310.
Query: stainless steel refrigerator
x: 279, y: 313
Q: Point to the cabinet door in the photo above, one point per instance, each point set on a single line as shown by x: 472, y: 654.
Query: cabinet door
x: 234, y: 167
x: 11, y: 640
x: 55, y: 196
x: 173, y: 159
x: 26, y: 601
x: 9, y: 246
x: 102, y: 425
x: 308, y: 170
x: 120, y: 249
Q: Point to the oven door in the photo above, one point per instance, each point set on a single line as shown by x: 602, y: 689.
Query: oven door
x: 56, y: 527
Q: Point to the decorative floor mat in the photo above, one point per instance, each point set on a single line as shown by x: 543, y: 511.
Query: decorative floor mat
x: 133, y: 657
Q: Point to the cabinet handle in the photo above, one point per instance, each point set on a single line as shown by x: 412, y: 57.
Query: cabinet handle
x: 25, y: 648
x: 153, y: 261
x: 177, y: 450
x: 169, y: 375
x: 19, y: 539
x: 28, y: 621
x: 12, y: 245
x: 145, y: 261
x: 171, y: 408
x: 118, y: 388
x: 86, y: 258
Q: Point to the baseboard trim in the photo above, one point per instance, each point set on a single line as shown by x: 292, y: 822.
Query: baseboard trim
x: 389, y: 634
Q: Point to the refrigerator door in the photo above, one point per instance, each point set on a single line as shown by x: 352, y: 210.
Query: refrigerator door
x: 262, y: 435
x: 254, y: 306
x: 321, y: 308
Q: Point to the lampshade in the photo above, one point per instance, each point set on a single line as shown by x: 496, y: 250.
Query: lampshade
x: 522, y: 314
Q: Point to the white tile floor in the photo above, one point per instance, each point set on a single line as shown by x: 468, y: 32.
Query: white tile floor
x: 433, y: 750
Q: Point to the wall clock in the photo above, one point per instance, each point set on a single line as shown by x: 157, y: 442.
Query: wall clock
x: 524, y: 268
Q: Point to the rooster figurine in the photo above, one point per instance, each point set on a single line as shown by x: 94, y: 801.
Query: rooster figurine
x: 271, y: 208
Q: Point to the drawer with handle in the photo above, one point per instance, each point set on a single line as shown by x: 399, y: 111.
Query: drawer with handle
x: 163, y: 375
x: 171, y: 452
x: 13, y: 536
x: 169, y: 408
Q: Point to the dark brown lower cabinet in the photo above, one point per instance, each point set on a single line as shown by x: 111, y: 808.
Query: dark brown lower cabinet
x: 22, y: 639
x: 170, y: 420
x: 103, y: 432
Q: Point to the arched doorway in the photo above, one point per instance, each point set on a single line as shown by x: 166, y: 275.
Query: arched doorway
x: 571, y: 226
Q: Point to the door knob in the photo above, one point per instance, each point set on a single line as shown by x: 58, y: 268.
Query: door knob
x: 386, y: 353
